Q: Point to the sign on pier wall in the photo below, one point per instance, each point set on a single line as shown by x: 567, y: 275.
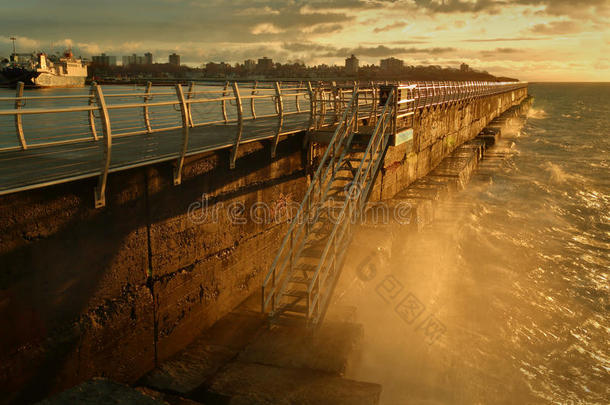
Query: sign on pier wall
x: 402, y: 137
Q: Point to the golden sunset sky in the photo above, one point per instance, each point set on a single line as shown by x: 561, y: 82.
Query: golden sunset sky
x: 534, y: 40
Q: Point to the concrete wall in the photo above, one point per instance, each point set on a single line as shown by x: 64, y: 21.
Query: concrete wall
x: 437, y: 132
x: 86, y: 292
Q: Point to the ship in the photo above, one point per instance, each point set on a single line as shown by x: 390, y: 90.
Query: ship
x: 39, y: 70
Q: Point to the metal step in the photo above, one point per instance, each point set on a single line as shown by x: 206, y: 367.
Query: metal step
x: 344, y: 178
x: 298, y: 308
x: 304, y: 267
x: 304, y: 258
x: 296, y: 293
x: 300, y: 280
x: 313, y: 251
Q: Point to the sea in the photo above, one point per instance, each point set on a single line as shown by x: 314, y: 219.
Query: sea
x: 504, y: 298
x: 508, y: 287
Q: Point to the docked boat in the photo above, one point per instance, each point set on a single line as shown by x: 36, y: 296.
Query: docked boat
x: 40, y: 70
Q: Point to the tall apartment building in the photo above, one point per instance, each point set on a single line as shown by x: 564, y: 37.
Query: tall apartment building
x: 351, y: 65
x: 174, y: 59
x: 104, y: 60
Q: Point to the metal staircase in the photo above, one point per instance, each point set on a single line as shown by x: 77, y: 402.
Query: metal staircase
x: 302, y: 277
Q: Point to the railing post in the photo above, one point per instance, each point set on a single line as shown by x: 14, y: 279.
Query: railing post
x: 185, y: 135
x: 291, y: 253
x: 145, y: 108
x: 373, y: 119
x: 280, y: 121
x: 240, y: 125
x: 100, y: 190
x: 394, y: 111
x: 188, y: 106
x: 356, y: 108
x: 296, y: 97
x: 336, y: 94
x: 18, y: 121
x: 312, y: 108
x: 322, y: 92
x: 252, y: 100
x: 224, y: 103
x: 273, y: 303
x: 91, y: 115
x: 312, y: 105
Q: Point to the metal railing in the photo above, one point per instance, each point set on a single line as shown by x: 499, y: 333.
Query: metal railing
x: 49, y: 139
x: 301, y: 285
x: 112, y: 123
x: 294, y: 284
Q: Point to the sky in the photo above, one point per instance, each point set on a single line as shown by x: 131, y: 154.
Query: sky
x: 533, y: 40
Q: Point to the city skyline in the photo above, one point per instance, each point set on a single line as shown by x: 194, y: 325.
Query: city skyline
x: 530, y: 39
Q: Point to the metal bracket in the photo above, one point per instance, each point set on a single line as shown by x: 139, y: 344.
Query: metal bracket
x: 296, y: 97
x: 91, y: 114
x: 190, y: 96
x: 280, y: 121
x: 18, y: 122
x: 240, y: 126
x: 100, y: 190
x: 185, y: 135
x: 145, y: 108
x: 252, y: 100
x: 224, y: 103
x: 312, y: 112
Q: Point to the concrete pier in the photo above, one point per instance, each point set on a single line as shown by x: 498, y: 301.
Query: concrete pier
x: 114, y: 292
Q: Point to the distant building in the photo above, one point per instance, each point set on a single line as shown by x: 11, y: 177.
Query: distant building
x: 351, y: 65
x: 464, y: 67
x: 174, y: 59
x: 148, y: 58
x: 391, y: 65
x: 221, y: 68
x: 250, y: 64
x: 20, y: 57
x: 133, y: 60
x: 104, y: 60
x: 265, y: 64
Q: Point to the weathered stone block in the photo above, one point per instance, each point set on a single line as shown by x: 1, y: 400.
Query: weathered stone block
x: 297, y: 346
x: 436, y: 153
x: 257, y: 384
x: 193, y: 298
x: 423, y: 163
x: 102, y: 391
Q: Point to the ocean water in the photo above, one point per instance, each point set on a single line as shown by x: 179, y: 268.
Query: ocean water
x: 41, y: 129
x: 508, y: 289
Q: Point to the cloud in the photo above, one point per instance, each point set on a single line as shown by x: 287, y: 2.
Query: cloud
x: 319, y: 31
x: 507, y: 50
x: 390, y: 27
x: 602, y: 64
x: 23, y: 44
x: 590, y: 9
x: 338, y: 5
x: 502, y: 52
x: 379, y: 51
x: 556, y: 28
x: 63, y: 43
x: 266, y: 10
x: 508, y: 39
x: 459, y: 6
x: 265, y: 28
x: 406, y: 42
x: 384, y: 51
x: 323, y: 29
x: 89, y: 48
